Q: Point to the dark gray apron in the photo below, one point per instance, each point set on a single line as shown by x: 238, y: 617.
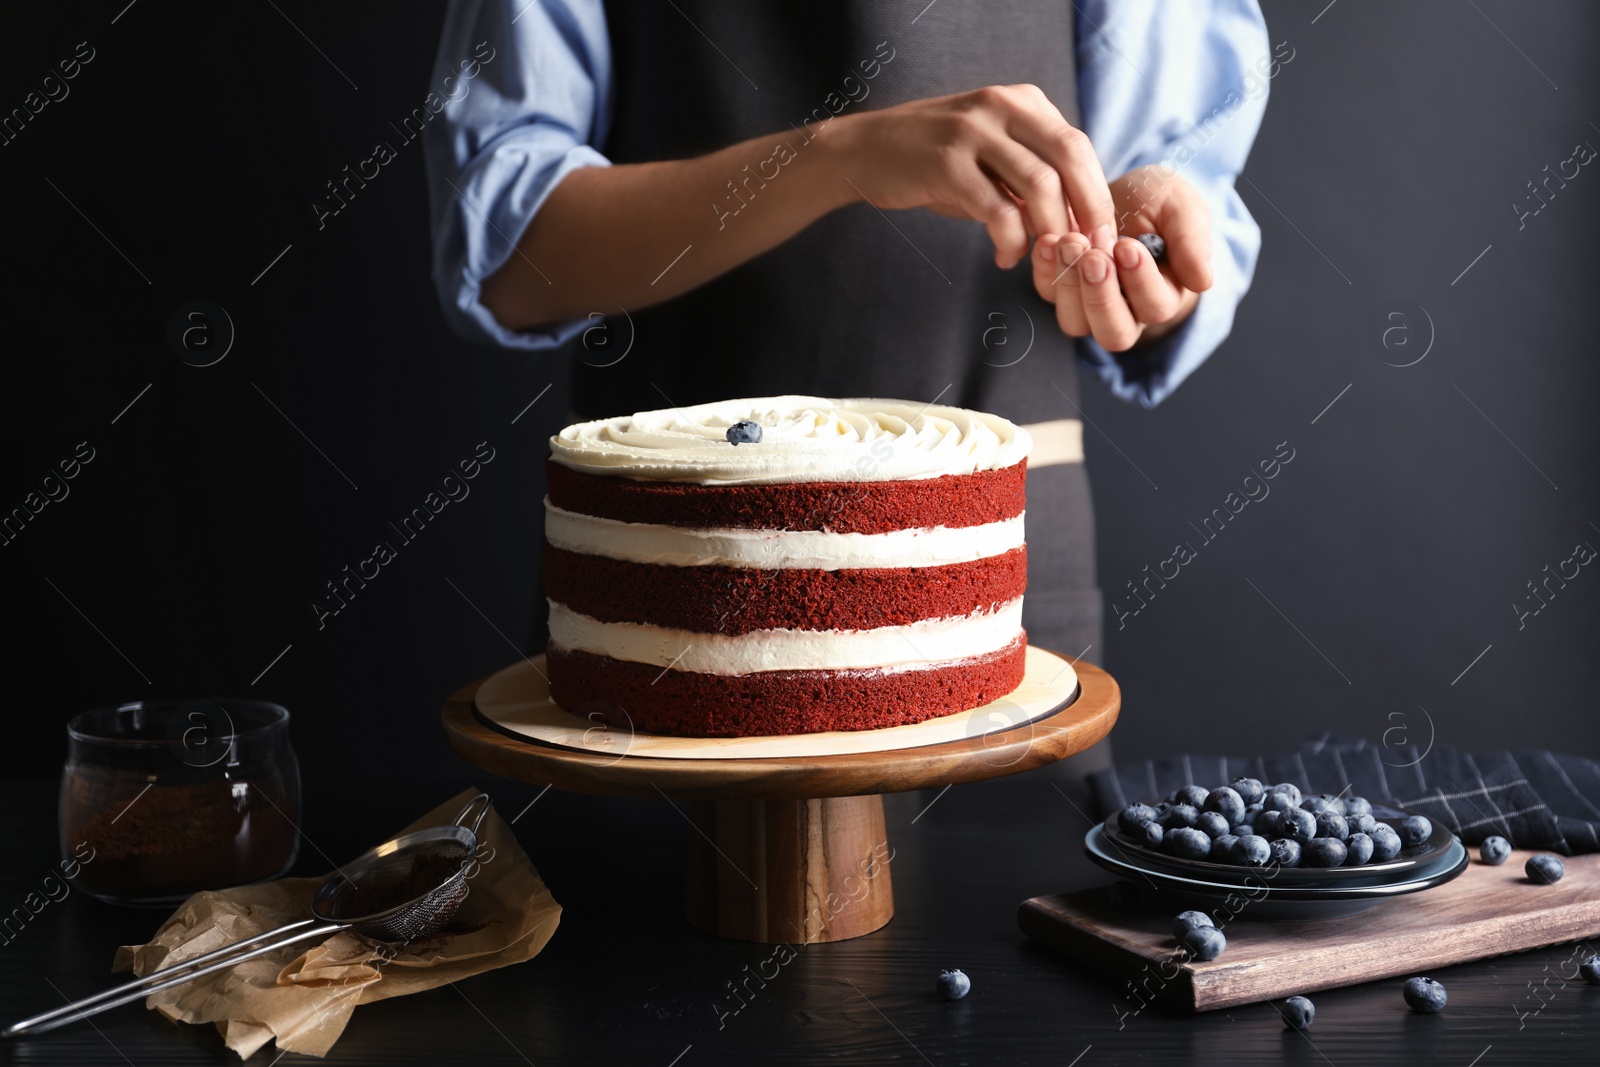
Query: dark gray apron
x: 851, y: 307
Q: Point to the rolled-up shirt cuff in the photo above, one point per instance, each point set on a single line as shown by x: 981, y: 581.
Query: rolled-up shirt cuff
x: 518, y: 179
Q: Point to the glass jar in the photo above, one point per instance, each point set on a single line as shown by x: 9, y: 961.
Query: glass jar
x: 160, y: 799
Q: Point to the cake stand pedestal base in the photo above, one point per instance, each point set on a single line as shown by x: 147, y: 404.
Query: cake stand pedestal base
x: 792, y: 848
x: 796, y: 871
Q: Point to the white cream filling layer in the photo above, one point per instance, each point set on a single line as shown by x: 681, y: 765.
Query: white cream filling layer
x: 919, y: 645
x: 682, y: 546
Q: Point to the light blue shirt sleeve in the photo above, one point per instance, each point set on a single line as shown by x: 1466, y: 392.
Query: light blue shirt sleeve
x: 527, y: 118
x: 1180, y: 84
x: 1184, y: 85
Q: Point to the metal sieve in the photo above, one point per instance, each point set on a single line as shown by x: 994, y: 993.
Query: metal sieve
x: 385, y: 869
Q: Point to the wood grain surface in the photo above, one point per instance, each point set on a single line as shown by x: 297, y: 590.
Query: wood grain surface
x: 789, y: 871
x: 627, y: 981
x: 1487, y: 911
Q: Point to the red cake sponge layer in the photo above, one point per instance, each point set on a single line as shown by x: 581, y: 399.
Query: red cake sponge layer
x: 738, y: 600
x: 642, y: 697
x: 841, y: 507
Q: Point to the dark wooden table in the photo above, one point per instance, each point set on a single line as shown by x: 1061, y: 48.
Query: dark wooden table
x: 626, y: 980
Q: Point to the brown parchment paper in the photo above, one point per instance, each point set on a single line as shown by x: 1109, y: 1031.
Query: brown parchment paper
x: 304, y: 997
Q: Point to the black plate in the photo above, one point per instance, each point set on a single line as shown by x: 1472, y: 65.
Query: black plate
x: 1265, y: 898
x: 1409, y: 859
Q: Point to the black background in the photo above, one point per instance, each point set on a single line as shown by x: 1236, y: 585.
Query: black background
x: 185, y: 558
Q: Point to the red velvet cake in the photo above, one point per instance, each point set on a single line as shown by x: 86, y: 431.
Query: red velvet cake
x: 785, y: 565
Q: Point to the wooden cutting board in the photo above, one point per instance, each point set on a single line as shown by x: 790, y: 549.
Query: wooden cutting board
x: 1486, y: 911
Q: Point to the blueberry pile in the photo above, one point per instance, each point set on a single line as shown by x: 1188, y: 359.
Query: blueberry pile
x: 1248, y: 824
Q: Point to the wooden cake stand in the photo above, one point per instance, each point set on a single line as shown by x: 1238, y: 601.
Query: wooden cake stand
x: 793, y: 848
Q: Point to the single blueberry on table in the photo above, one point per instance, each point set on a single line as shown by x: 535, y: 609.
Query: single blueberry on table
x: 1252, y: 851
x: 1358, y: 850
x: 1188, y: 920
x: 1424, y: 995
x: 1222, y: 849
x: 1288, y: 789
x: 1361, y: 822
x: 1212, y: 824
x: 1299, y: 824
x: 1225, y: 800
x: 1385, y: 844
x: 953, y: 985
x: 1494, y: 851
x: 1193, y: 795
x: 1180, y: 815
x: 745, y: 432
x: 1590, y: 969
x: 1325, y: 852
x: 1544, y: 869
x: 1134, y: 815
x: 1249, y: 789
x: 1414, y: 830
x: 1204, y: 942
x: 1151, y: 834
x: 1298, y: 1012
x: 1357, y: 806
x: 1332, y: 824
x: 1286, y: 853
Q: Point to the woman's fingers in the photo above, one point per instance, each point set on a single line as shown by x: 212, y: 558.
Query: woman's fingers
x: 1052, y: 255
x: 1067, y: 286
x: 1033, y: 180
x: 1037, y: 124
x: 1107, y: 313
x: 1150, y: 296
x: 1118, y: 293
x: 979, y: 197
x: 1185, y: 223
x: 1043, y: 261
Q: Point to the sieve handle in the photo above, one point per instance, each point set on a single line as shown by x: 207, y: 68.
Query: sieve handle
x: 167, y: 977
x: 480, y: 801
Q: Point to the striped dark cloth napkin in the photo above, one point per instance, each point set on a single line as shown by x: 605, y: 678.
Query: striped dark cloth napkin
x: 1533, y: 798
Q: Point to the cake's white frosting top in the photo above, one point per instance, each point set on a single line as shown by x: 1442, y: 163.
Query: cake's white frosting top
x: 803, y: 439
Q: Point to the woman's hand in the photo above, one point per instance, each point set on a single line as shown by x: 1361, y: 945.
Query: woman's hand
x: 1121, y: 295
x: 1003, y: 155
